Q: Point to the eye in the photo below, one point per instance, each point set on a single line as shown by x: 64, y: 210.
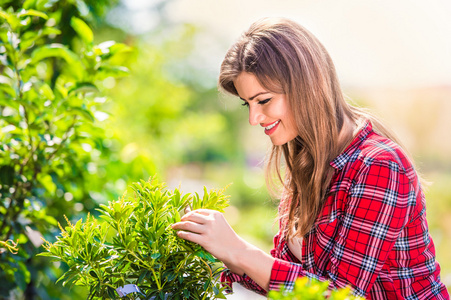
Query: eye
x: 245, y: 104
x: 264, y: 101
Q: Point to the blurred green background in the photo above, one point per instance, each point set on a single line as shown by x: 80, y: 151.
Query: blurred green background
x: 167, y: 117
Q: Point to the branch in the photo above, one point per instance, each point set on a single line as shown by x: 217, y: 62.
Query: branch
x: 65, y: 137
x: 10, y: 245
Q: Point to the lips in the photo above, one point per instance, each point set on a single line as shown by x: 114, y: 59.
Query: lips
x: 270, y: 128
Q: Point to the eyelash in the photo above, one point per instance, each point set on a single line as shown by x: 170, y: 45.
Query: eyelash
x: 259, y: 102
x: 264, y: 101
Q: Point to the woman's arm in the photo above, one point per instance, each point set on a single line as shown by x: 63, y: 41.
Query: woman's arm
x: 210, y: 229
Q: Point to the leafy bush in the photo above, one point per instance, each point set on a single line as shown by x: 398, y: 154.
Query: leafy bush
x: 49, y: 101
x: 132, y: 242
x: 311, y: 289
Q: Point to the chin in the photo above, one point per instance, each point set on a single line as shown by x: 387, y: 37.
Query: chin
x: 281, y: 142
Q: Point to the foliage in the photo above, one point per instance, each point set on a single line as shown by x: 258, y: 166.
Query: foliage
x: 135, y: 244
x: 311, y: 289
x: 91, y: 11
x: 49, y: 102
x: 168, y: 116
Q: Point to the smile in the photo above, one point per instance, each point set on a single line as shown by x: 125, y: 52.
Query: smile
x: 272, y: 125
x: 271, y: 128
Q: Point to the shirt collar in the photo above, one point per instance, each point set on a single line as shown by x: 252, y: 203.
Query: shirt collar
x: 340, y: 161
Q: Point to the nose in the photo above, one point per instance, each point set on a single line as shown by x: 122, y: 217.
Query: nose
x: 256, y: 115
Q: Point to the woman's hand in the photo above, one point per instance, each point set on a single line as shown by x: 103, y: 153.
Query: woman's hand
x: 210, y: 229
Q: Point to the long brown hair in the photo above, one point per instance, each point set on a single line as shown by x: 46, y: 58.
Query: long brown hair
x: 288, y: 59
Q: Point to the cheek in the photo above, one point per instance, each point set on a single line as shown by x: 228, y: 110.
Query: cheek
x: 288, y: 115
x: 292, y: 124
x: 280, y: 110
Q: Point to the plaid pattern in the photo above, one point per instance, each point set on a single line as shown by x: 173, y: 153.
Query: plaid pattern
x: 372, y: 233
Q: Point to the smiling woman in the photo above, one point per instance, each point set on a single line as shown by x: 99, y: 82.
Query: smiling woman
x: 352, y: 209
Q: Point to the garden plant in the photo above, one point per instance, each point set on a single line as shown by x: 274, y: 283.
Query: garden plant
x: 131, y: 245
x: 311, y: 289
x: 51, y: 72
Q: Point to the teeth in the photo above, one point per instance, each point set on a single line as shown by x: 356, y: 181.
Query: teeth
x: 272, y: 125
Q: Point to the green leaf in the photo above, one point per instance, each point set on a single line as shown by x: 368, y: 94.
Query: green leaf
x: 32, y: 12
x: 155, y: 256
x: 11, y: 19
x: 47, y: 182
x: 126, y: 267
x: 84, y: 113
x: 29, y: 3
x: 6, y: 88
x: 61, y: 51
x: 83, y: 87
x: 22, y: 276
x: 205, y: 255
x: 120, y: 48
x: 50, y: 30
x: 106, y: 218
x: 176, y: 217
x: 29, y: 38
x: 4, y: 14
x: 7, y: 175
x: 114, y: 53
x: 48, y: 254
x: 220, y: 295
x: 142, y: 276
x: 111, y: 71
x: 215, y: 290
x: 93, y: 274
x: 46, y: 91
x: 82, y: 30
x: 111, y: 293
x: 170, y: 276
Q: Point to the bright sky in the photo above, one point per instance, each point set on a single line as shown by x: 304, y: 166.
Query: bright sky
x: 402, y: 43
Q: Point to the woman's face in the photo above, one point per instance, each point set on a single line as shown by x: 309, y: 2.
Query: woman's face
x: 266, y: 108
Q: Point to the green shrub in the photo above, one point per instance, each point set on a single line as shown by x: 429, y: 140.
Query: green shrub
x: 49, y: 100
x: 132, y: 242
x: 311, y: 289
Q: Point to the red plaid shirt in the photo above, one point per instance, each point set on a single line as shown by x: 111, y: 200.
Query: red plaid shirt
x: 372, y: 233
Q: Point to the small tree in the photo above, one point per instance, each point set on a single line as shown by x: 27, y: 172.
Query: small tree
x: 49, y: 101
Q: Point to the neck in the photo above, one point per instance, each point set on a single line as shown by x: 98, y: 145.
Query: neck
x: 346, y: 134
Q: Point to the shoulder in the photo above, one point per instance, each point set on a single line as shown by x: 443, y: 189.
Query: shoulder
x: 372, y: 156
x: 379, y: 150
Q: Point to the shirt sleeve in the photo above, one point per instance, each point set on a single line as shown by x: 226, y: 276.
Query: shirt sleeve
x: 228, y: 277
x: 374, y: 214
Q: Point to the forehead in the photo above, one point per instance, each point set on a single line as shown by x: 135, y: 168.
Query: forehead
x: 247, y: 85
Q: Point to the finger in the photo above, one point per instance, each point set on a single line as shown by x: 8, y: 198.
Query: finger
x: 204, y: 211
x: 189, y: 226
x: 190, y: 236
x: 194, y: 216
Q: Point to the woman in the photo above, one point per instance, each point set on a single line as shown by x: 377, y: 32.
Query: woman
x: 352, y: 209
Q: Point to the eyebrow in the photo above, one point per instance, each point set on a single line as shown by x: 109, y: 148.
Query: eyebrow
x: 256, y: 95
